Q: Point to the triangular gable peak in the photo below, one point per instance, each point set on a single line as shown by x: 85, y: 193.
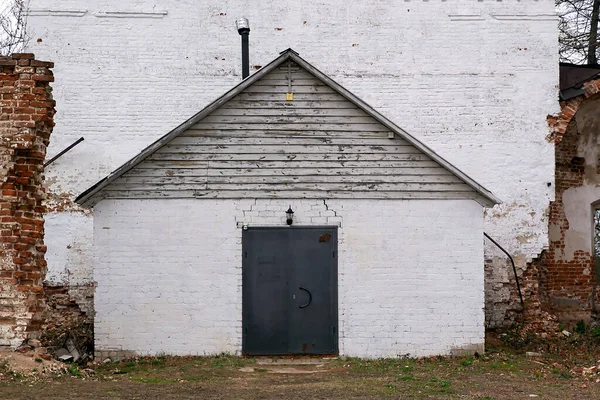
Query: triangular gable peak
x: 288, y: 131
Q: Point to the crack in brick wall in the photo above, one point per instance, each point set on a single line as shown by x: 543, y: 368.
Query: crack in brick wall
x: 26, y: 122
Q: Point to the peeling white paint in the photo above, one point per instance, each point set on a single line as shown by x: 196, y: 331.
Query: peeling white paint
x: 462, y: 87
x: 70, y: 257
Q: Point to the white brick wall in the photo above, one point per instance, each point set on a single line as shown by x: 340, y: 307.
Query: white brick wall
x: 474, y: 80
x: 410, y: 277
x: 169, y: 273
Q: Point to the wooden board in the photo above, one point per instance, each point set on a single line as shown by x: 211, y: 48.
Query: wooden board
x: 260, y: 145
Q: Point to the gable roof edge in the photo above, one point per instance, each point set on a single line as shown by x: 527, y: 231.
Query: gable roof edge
x: 488, y: 196
x: 89, y: 194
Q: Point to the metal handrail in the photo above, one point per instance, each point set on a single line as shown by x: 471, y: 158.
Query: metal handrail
x: 513, y: 266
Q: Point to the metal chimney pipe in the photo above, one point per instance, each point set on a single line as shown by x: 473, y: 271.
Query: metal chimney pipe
x: 243, y: 27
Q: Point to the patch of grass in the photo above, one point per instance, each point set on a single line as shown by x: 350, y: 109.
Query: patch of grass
x: 74, y: 370
x: 128, y: 367
x: 464, y: 377
x: 381, y: 365
x: 38, y: 360
x: 389, y: 388
x: 565, y: 375
x: 125, y: 369
x: 17, y: 375
x: 227, y: 360
x: 434, y: 385
x: 466, y: 363
x: 502, y: 365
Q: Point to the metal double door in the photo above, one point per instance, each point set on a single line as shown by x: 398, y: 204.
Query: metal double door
x: 289, y: 291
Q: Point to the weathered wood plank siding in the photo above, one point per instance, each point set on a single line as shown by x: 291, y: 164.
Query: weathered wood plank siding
x: 259, y: 145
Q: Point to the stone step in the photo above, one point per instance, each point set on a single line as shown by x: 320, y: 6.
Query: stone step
x: 293, y: 360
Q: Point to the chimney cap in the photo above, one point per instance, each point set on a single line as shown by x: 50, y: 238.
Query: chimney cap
x: 242, y: 25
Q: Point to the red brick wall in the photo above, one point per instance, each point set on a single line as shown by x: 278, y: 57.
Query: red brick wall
x: 559, y: 123
x: 26, y: 122
x: 570, y: 264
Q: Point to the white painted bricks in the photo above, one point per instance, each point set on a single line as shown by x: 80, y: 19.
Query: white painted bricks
x: 169, y: 273
x: 474, y: 80
x: 410, y: 277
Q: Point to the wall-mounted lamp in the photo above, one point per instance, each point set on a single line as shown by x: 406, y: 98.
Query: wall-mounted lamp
x: 290, y: 216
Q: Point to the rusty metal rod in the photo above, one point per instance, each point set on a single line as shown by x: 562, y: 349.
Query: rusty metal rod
x: 50, y: 161
x: 513, y: 267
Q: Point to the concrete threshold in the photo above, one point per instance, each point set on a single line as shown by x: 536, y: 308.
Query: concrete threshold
x: 293, y: 361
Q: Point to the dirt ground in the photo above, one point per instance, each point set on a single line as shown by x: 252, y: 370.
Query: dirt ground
x: 502, y: 373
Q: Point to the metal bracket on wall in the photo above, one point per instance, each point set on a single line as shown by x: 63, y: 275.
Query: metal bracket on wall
x: 63, y: 152
x: 513, y: 266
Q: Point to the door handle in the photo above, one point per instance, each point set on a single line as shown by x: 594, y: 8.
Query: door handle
x: 309, y: 297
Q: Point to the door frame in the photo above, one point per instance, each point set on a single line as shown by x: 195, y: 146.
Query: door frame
x: 334, y: 285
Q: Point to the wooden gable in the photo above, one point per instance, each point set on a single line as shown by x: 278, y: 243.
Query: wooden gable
x: 289, y: 134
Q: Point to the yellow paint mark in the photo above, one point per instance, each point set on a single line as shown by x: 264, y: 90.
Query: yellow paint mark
x: 289, y: 96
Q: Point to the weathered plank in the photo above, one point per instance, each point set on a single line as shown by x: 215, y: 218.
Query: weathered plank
x: 282, y: 103
x: 281, y: 96
x: 286, y: 194
x: 284, y: 179
x: 301, y: 186
x: 257, y: 171
x: 259, y: 164
x: 279, y: 80
x: 187, y: 152
x: 297, y: 112
x: 310, y: 158
x: 283, y: 75
x: 373, y: 127
x: 285, y: 141
x: 195, y: 132
x: 289, y: 119
x: 265, y: 88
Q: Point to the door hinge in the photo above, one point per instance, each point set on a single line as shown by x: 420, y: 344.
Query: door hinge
x: 245, y: 254
x: 334, y: 254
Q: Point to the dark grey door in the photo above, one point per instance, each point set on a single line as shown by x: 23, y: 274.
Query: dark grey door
x: 289, y: 291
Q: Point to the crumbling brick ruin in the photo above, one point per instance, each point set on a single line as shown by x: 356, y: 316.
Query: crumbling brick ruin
x: 26, y: 122
x: 571, y: 290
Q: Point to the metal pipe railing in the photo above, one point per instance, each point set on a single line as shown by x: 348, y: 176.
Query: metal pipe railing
x: 513, y: 266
